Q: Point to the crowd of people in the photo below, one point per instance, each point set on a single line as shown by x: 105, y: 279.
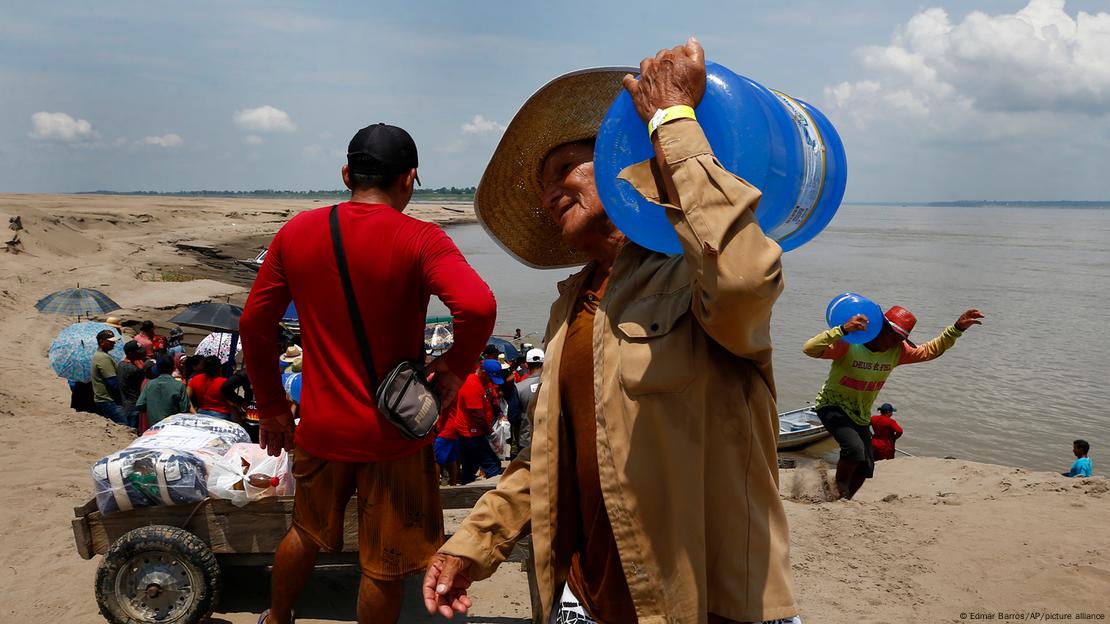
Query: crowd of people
x: 489, y: 421
x: 156, y: 378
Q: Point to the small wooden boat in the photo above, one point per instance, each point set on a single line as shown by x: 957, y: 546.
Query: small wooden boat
x: 800, y: 427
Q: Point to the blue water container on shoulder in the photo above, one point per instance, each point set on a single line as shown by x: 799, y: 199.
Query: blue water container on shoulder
x: 781, y: 145
x: 843, y: 307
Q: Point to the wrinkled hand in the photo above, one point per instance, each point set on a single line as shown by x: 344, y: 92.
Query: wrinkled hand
x: 445, y: 585
x: 670, y: 78
x: 855, y: 324
x: 276, y: 434
x: 969, y: 318
x: 445, y: 383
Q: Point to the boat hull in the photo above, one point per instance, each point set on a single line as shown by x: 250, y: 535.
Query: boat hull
x: 800, y: 427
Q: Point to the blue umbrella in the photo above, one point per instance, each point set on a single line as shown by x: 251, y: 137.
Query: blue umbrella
x: 72, y: 351
x: 76, y: 301
x: 505, y: 347
x: 291, y: 313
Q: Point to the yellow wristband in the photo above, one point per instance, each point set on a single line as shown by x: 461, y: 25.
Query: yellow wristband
x: 665, y: 115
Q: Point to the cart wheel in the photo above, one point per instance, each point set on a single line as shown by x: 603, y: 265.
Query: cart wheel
x: 158, y: 574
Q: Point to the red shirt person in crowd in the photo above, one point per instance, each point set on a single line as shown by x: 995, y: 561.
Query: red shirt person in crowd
x: 477, y: 398
x: 148, y: 340
x: 887, y: 430
x: 343, y: 443
x: 204, y: 390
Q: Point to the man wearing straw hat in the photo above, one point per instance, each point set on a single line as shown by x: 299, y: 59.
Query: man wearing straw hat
x: 651, y: 485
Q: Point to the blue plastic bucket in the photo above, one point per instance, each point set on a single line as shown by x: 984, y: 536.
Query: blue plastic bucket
x: 781, y: 145
x: 843, y: 307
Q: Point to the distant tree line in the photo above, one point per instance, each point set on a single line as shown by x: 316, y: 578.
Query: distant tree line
x: 970, y: 203
x: 982, y: 203
x: 465, y: 193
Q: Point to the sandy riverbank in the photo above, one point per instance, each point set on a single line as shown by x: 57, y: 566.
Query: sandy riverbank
x: 927, y: 540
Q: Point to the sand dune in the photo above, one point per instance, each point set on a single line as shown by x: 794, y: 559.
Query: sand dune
x: 927, y: 540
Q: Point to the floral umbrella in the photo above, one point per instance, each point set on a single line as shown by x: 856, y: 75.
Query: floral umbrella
x: 72, y: 351
x: 217, y: 344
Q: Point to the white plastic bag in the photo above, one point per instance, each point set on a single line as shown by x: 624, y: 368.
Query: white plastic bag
x: 499, y: 439
x: 247, y: 473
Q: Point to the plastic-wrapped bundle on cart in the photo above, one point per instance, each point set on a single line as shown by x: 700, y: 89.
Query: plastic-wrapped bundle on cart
x: 169, y: 465
x: 141, y: 477
x: 226, y: 429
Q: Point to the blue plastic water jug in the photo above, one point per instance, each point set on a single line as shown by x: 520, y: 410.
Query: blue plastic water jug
x: 781, y: 145
x: 843, y: 307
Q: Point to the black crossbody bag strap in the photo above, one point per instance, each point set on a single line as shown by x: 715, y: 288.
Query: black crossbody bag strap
x: 352, y: 302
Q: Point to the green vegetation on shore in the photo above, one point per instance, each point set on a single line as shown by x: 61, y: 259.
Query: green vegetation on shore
x: 442, y: 193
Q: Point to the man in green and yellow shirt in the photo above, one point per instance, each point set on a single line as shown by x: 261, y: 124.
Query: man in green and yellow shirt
x: 859, y: 372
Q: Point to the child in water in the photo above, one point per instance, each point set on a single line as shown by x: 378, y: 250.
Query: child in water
x: 1082, y: 466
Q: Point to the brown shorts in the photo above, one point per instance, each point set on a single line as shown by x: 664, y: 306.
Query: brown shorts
x: 400, y: 520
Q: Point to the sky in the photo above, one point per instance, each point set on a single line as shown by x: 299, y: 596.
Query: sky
x: 970, y: 99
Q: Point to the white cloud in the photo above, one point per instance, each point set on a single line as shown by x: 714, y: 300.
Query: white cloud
x: 481, y: 125
x: 61, y: 127
x: 264, y: 119
x: 999, y: 70
x: 253, y: 139
x: 166, y: 140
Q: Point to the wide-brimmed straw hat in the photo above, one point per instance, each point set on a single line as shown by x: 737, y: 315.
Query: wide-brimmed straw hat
x: 567, y: 109
x: 114, y: 322
x: 291, y: 354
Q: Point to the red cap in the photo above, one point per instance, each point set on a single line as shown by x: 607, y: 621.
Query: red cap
x: 900, y: 320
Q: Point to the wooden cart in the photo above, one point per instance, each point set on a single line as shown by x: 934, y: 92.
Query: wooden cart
x: 162, y: 564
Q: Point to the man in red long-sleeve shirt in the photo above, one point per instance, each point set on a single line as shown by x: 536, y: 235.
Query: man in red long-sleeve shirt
x: 886, y: 432
x: 343, y: 443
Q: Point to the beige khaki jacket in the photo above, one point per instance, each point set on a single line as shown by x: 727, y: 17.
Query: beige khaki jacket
x: 686, y: 420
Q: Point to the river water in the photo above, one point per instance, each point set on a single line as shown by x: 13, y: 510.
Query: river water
x: 1016, y: 390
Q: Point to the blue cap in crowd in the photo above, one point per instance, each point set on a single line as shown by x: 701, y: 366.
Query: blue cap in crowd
x: 493, y: 369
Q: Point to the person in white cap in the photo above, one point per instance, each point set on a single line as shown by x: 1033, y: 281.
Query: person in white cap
x: 526, y: 390
x: 105, y: 383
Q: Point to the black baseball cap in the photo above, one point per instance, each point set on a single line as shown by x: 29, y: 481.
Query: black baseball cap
x: 106, y: 334
x: 382, y: 149
x: 132, y: 346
